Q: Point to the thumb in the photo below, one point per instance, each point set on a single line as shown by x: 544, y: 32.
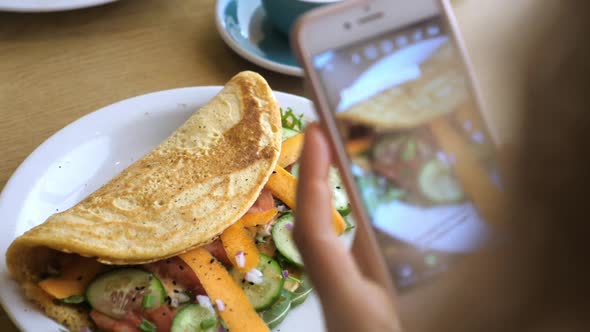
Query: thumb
x: 329, y: 264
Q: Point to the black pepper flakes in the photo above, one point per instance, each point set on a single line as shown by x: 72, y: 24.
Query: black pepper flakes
x: 181, y: 267
x: 251, y: 283
x: 337, y: 187
x: 176, y: 291
x: 212, y: 260
x: 79, y: 278
x: 174, y: 282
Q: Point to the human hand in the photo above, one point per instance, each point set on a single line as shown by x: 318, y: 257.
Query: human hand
x: 350, y: 301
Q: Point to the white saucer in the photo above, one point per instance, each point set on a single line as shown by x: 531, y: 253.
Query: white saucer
x: 244, y: 27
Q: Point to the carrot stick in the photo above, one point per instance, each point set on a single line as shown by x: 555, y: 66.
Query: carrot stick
x: 237, y: 313
x: 255, y: 219
x: 473, y: 178
x: 291, y: 150
x: 358, y: 145
x: 73, y: 279
x: 283, y: 186
x: 237, y: 240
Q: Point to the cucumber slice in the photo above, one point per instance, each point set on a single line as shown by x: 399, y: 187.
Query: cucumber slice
x: 288, y: 133
x: 117, y: 292
x: 339, y: 197
x: 278, y: 311
x: 438, y: 184
x: 264, y: 294
x: 300, y: 294
x: 195, y: 318
x: 283, y: 238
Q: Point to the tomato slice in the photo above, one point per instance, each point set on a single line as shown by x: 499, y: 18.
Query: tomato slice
x: 177, y: 270
x: 105, y: 323
x: 264, y: 202
x: 162, y: 317
x: 216, y: 250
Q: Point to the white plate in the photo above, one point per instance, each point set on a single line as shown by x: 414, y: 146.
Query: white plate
x: 81, y: 157
x: 48, y: 5
x: 84, y: 155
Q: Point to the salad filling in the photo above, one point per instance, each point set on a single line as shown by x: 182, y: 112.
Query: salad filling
x: 252, y: 275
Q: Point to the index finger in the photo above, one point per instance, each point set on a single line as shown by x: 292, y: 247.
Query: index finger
x: 329, y: 264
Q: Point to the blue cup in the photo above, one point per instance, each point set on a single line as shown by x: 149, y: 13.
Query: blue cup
x: 283, y: 13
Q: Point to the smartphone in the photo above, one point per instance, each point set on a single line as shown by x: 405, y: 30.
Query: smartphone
x: 396, y: 95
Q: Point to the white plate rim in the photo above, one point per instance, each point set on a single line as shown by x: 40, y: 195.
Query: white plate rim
x: 254, y: 58
x: 36, y: 6
x: 13, y: 292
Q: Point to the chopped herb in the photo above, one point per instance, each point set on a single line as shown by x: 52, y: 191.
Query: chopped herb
x: 208, y: 323
x: 349, y: 225
x: 74, y: 299
x: 147, y: 326
x: 345, y: 212
x: 149, y: 301
x: 290, y: 120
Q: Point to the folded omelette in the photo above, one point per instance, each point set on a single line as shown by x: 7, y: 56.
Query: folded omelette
x: 180, y: 196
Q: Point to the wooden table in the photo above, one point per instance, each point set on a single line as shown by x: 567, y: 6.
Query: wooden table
x: 55, y: 68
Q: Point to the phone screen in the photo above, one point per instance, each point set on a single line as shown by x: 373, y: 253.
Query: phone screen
x: 419, y: 151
